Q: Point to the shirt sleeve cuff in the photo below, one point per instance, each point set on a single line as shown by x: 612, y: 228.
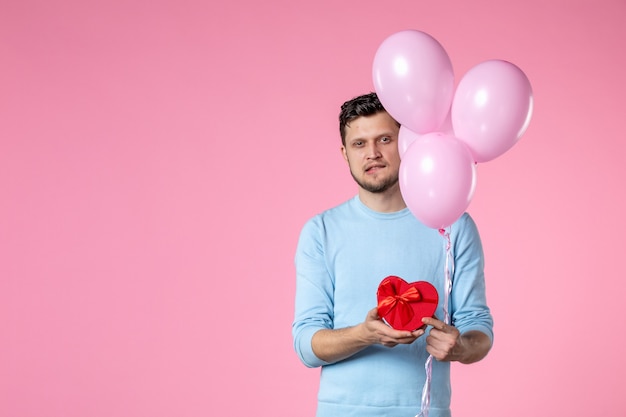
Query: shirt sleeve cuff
x: 305, y: 351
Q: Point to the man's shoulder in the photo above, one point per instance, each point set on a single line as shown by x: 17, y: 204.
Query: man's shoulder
x: 335, y: 216
x: 341, y: 209
x: 346, y: 206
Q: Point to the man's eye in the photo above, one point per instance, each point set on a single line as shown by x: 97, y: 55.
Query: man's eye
x: 385, y: 139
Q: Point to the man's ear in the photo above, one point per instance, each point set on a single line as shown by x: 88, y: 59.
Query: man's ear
x: 343, y: 152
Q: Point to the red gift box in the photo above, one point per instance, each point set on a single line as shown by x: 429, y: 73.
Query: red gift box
x: 403, y: 305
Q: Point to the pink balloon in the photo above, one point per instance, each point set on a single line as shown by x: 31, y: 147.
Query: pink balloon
x: 414, y: 80
x: 405, y: 138
x: 446, y: 126
x: 437, y: 179
x: 491, y: 109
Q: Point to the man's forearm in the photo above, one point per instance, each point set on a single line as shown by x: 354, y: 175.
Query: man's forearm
x: 333, y: 345
x: 476, y: 345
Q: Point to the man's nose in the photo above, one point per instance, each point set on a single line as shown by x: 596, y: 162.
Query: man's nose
x: 373, y: 152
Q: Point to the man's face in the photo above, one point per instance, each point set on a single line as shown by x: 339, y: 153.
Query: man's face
x: 371, y: 150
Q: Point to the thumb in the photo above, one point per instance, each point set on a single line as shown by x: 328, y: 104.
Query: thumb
x: 373, y: 314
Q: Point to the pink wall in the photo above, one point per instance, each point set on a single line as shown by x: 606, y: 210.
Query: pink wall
x: 158, y: 158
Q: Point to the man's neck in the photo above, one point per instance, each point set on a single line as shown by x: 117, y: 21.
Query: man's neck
x: 386, y: 202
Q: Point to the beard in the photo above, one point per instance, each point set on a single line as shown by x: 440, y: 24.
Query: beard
x: 376, y: 187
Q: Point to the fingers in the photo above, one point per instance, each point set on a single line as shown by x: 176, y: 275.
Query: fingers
x: 395, y: 337
x: 419, y: 332
x: 442, y: 340
x: 373, y: 314
x: 387, y: 335
x: 397, y: 334
x: 438, y: 324
x: 432, y: 321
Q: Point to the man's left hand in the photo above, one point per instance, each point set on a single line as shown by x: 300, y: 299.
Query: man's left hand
x: 446, y: 343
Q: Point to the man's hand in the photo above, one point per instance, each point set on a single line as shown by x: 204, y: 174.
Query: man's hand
x: 381, y: 333
x: 332, y: 345
x: 446, y: 343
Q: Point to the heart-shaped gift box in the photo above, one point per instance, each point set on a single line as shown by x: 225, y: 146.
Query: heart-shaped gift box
x: 403, y: 305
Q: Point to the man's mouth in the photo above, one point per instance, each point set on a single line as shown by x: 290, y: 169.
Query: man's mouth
x: 374, y: 168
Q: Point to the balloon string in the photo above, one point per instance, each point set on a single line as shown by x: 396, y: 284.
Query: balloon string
x: 426, y: 391
x: 428, y: 366
x: 449, y: 271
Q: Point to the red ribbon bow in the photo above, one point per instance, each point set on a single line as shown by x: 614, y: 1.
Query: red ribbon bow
x: 396, y: 306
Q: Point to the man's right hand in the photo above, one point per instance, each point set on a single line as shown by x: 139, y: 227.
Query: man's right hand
x: 333, y: 345
x: 385, y: 335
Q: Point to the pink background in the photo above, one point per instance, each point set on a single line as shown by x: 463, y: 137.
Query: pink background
x: 158, y: 159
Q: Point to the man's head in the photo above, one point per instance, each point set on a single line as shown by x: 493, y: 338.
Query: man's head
x: 369, y: 137
x: 365, y: 105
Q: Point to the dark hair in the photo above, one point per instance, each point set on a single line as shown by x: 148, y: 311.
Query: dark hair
x: 364, y: 105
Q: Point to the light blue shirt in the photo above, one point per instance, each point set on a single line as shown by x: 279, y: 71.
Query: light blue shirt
x: 343, y: 254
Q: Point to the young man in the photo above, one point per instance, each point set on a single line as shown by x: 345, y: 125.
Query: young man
x: 368, y: 368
